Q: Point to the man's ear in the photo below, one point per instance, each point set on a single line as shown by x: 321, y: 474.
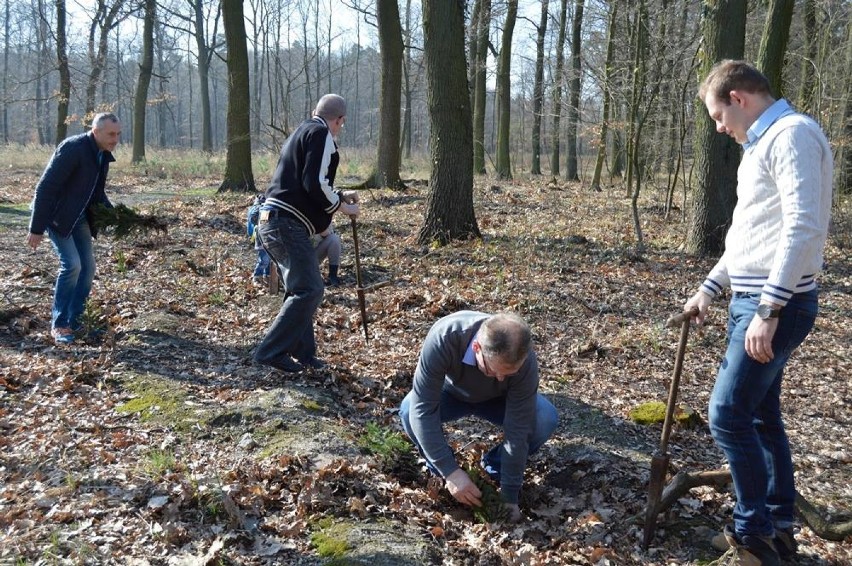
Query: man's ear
x: 476, y: 346
x: 738, y: 97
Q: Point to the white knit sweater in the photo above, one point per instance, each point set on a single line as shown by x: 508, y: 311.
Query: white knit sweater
x: 775, y: 244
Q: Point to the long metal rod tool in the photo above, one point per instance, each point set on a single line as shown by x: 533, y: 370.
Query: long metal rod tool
x: 660, y: 458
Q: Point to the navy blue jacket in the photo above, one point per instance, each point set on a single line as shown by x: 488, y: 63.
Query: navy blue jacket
x: 72, y: 182
x: 303, y: 182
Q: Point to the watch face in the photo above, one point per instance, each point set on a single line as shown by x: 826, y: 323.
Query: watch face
x: 765, y: 311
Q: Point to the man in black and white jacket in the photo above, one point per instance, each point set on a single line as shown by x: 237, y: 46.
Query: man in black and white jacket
x: 300, y: 202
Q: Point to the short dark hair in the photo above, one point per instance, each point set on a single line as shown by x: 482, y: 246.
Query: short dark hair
x: 730, y: 74
x: 102, y: 117
x: 505, y: 336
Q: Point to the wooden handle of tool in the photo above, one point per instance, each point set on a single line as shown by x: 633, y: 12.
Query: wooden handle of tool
x: 679, y: 318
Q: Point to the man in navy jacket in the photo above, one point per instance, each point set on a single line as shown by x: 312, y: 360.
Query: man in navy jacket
x: 72, y: 183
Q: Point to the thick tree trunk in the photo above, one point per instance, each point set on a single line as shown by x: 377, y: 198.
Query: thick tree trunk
x: 538, y: 90
x: 449, y: 205
x: 717, y: 156
x: 571, y: 170
x: 146, y: 68
x: 390, y: 45
x: 773, y: 43
x: 238, y: 172
x: 504, y: 92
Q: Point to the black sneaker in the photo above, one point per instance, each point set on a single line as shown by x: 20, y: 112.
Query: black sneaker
x: 748, y: 550
x: 785, y: 543
x: 285, y: 364
x: 314, y: 363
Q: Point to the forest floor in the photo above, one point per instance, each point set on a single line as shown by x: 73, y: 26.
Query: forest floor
x: 161, y: 443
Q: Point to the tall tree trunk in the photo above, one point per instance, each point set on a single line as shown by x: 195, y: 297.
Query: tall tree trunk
x: 204, y: 57
x: 104, y: 19
x: 504, y: 92
x: 64, y: 73
x: 538, y: 90
x: 390, y: 46
x: 162, y: 90
x: 717, y: 156
x: 571, y: 170
x: 557, y: 91
x: 607, y: 95
x: 807, y: 85
x: 479, y: 86
x: 473, y: 46
x: 843, y: 175
x: 773, y: 43
x: 146, y: 68
x: 405, y: 142
x: 638, y: 81
x: 238, y: 173
x: 6, y: 72
x: 449, y: 205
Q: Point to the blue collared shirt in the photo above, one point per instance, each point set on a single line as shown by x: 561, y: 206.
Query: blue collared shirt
x: 778, y: 109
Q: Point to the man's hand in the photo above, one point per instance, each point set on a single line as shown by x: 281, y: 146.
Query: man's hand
x: 514, y: 513
x: 33, y: 240
x: 463, y: 489
x: 349, y: 209
x: 701, y: 300
x: 350, y: 197
x: 758, y: 339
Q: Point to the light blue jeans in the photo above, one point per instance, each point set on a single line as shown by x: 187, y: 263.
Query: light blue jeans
x: 745, y: 415
x: 493, y: 411
x: 292, y: 332
x: 76, y: 273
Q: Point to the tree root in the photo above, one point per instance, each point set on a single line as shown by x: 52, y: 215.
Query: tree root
x: 811, y: 516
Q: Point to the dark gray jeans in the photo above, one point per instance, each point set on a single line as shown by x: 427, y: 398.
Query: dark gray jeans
x: 292, y: 332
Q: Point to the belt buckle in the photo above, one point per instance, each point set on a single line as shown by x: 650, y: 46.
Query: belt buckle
x: 264, y: 216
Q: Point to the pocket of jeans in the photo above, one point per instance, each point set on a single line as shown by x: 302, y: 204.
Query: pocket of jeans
x: 796, y: 330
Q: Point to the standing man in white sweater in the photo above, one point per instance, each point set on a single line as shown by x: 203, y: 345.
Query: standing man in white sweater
x: 773, y: 252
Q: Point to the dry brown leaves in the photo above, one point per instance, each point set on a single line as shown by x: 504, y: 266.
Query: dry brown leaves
x: 79, y: 480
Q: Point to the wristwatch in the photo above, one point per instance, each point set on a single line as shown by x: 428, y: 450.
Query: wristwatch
x: 766, y: 312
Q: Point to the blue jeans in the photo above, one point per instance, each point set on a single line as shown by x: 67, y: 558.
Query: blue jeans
x: 292, y: 332
x: 745, y: 415
x: 493, y: 411
x: 261, y: 266
x: 76, y: 273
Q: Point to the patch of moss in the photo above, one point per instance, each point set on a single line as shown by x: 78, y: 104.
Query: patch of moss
x: 330, y: 540
x: 158, y: 400
x: 648, y: 413
x: 311, y: 405
x: 655, y: 412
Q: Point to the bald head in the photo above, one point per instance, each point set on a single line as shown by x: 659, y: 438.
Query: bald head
x: 331, y: 107
x: 505, y: 336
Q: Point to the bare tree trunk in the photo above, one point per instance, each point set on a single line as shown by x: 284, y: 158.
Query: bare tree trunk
x: 843, y: 178
x: 717, y: 156
x: 538, y: 90
x: 479, y: 85
x: 807, y: 86
x: 557, y: 90
x: 607, y: 95
x: 205, y: 54
x: 405, y: 142
x: 773, y: 43
x: 64, y: 73
x: 6, y: 72
x: 146, y: 68
x: 504, y: 92
x: 390, y: 46
x: 449, y: 205
x: 571, y: 171
x: 104, y: 19
x: 238, y: 172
